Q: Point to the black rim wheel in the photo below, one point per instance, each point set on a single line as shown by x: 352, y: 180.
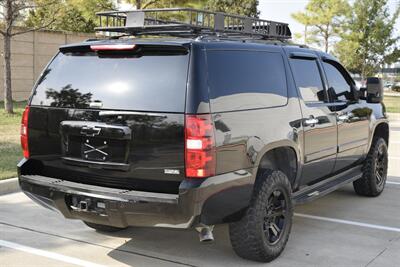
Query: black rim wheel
x: 275, y: 218
x: 380, y: 167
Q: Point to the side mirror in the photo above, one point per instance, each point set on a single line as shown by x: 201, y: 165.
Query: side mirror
x: 374, y: 90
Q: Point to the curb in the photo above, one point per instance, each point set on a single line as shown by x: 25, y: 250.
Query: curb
x: 9, y: 186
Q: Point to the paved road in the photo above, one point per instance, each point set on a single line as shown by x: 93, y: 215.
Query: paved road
x: 336, y: 230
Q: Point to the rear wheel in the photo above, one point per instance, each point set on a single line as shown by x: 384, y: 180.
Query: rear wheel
x: 375, y: 166
x: 103, y: 228
x: 262, y: 234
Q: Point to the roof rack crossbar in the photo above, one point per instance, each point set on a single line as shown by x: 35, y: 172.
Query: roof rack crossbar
x: 189, y: 22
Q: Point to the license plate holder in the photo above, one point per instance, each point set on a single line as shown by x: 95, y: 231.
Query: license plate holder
x: 97, y: 149
x: 95, y: 143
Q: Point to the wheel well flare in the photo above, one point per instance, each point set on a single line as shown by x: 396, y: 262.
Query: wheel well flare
x: 281, y: 158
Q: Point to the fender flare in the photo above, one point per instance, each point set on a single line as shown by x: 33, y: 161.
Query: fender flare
x: 373, y: 131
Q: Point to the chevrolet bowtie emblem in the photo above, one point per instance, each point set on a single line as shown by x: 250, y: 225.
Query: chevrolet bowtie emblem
x: 90, y: 131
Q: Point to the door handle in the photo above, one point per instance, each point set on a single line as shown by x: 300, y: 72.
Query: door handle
x: 310, y: 122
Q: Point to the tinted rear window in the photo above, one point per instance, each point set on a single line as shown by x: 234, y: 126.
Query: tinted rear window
x: 148, y: 83
x: 246, y: 79
x: 308, y: 79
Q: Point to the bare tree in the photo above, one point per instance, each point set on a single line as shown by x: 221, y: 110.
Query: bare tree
x: 12, y: 11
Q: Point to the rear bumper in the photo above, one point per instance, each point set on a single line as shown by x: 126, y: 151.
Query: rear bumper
x: 218, y: 199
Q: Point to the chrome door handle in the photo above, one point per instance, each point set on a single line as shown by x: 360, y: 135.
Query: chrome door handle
x: 311, y: 122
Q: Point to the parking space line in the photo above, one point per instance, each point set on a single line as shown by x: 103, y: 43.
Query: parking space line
x: 367, y: 225
x: 394, y: 157
x: 47, y: 254
x: 390, y: 182
x: 136, y: 253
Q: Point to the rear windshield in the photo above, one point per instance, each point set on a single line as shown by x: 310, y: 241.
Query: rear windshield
x: 146, y: 83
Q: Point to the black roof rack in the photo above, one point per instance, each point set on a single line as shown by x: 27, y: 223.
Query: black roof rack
x: 189, y: 22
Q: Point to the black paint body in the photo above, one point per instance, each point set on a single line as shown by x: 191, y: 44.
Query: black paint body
x: 147, y: 142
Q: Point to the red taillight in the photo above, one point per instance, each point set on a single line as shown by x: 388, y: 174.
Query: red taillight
x: 199, y: 146
x: 24, y: 132
x: 112, y: 47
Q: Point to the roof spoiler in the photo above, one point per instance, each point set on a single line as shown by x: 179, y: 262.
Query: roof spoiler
x: 124, y: 47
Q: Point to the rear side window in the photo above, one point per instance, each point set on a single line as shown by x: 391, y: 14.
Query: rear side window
x: 308, y: 79
x: 146, y: 83
x: 245, y: 80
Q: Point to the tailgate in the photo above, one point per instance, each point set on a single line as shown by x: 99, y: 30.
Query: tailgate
x: 111, y: 120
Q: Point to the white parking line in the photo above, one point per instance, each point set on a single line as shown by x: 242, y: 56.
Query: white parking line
x: 394, y: 142
x: 47, y: 254
x: 389, y: 182
x: 394, y: 157
x: 367, y: 225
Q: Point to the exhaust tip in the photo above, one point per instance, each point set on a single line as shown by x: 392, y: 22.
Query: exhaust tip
x: 206, y: 234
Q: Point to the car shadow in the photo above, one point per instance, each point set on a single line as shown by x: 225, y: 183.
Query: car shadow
x: 182, y: 247
x: 176, y: 247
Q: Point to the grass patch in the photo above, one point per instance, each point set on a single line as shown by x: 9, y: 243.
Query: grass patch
x: 10, y: 148
x: 392, y: 104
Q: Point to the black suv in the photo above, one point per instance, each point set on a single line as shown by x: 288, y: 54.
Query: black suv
x: 207, y: 128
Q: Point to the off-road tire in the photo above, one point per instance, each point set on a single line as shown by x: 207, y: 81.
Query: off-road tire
x: 370, y: 184
x: 248, y: 236
x: 103, y: 228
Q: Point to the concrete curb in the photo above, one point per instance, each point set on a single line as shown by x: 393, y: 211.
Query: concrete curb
x: 9, y: 186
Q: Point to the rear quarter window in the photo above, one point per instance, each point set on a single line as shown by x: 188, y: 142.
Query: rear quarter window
x: 241, y: 80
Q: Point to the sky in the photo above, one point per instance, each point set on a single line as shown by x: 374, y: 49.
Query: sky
x: 281, y: 10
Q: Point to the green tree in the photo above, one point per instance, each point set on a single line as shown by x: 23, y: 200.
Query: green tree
x: 145, y: 4
x: 74, y: 15
x: 323, y: 20
x: 305, y: 36
x: 243, y: 7
x: 12, y: 12
x: 369, y: 40
x: 240, y: 7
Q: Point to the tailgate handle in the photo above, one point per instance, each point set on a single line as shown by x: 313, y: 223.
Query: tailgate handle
x: 90, y: 131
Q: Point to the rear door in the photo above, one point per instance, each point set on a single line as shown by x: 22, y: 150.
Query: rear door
x: 319, y: 121
x: 112, y: 118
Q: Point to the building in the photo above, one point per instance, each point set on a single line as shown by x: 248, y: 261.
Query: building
x: 391, y: 71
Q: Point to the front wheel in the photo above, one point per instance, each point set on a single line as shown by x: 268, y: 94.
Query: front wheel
x: 262, y: 233
x: 374, y: 175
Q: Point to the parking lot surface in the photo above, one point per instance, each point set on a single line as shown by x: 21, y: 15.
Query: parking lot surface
x: 336, y: 230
